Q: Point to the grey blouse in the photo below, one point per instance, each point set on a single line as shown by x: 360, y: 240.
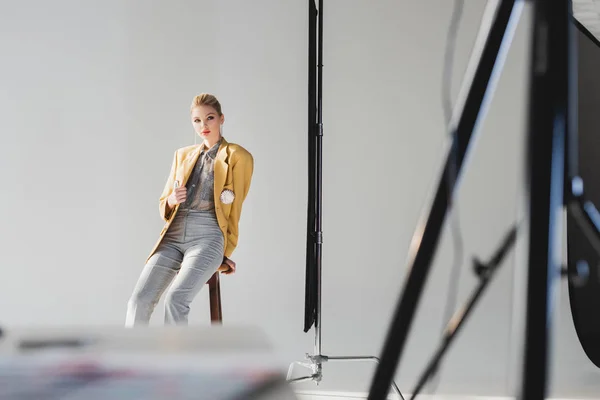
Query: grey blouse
x: 200, y: 186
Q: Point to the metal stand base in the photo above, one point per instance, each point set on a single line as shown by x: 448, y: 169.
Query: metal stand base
x: 315, y: 364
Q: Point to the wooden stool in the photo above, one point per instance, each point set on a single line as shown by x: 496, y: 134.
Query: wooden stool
x: 214, y: 290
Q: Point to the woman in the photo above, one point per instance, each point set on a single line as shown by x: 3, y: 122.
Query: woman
x: 201, y: 205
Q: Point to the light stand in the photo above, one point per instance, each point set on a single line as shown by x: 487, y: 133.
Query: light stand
x: 315, y: 194
x: 551, y: 184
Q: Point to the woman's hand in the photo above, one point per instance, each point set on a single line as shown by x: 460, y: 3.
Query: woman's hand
x: 227, y: 267
x: 179, y: 195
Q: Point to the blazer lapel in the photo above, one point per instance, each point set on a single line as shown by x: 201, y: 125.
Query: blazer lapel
x: 188, y: 165
x: 220, y: 168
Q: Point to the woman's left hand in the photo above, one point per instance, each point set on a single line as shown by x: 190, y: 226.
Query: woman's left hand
x: 227, y: 267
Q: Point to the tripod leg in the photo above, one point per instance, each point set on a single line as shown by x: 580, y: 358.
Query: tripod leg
x: 302, y: 378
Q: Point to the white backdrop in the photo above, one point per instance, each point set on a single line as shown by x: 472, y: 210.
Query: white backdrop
x: 94, y: 98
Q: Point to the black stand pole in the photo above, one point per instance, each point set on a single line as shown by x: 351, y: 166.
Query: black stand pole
x: 313, y: 295
x: 311, y: 281
x: 546, y: 167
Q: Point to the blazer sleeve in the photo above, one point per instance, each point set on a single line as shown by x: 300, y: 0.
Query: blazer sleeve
x: 165, y: 211
x: 242, y: 172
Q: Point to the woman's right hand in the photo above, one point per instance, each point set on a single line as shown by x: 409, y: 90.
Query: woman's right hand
x: 178, y: 195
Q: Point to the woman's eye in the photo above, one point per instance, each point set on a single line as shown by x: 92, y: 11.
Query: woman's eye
x: 211, y: 118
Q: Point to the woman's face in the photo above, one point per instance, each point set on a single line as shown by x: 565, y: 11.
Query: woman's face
x: 207, y: 123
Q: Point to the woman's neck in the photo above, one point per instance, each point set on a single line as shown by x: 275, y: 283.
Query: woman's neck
x: 210, y: 143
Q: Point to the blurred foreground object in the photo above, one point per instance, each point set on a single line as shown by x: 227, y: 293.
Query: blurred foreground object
x: 212, y: 363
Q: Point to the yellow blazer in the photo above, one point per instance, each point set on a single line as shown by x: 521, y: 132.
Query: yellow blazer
x: 233, y: 170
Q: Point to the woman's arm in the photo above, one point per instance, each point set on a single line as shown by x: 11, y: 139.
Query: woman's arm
x: 164, y: 208
x: 242, y: 177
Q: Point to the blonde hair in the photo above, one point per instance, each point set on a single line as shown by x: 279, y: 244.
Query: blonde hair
x: 206, y: 99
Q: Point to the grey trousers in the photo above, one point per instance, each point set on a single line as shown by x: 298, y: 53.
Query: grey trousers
x: 189, y: 254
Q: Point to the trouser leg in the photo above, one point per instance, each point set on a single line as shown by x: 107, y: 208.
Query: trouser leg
x: 201, y: 259
x: 156, y: 276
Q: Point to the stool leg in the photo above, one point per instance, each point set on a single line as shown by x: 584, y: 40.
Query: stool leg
x: 214, y: 289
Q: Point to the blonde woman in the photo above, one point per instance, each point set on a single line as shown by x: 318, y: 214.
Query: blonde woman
x: 201, y: 205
